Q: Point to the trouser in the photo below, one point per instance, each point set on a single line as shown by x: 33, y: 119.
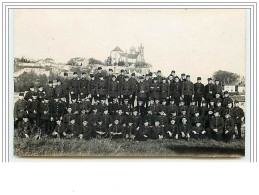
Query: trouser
x: 117, y: 136
x: 227, y: 137
x: 140, y: 137
x: 170, y: 137
x: 132, y: 100
x: 198, y: 100
x: 93, y: 97
x: 198, y: 136
x: 176, y: 100
x: 187, y: 99
x: 216, y: 136
x: 238, y: 125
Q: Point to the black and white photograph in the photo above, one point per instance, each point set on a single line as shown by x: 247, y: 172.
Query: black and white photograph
x: 133, y: 83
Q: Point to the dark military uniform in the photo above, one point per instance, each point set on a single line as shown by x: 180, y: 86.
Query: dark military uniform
x: 149, y: 118
x: 184, y: 129
x: 175, y: 92
x: 68, y: 117
x: 41, y: 95
x: 33, y: 107
x: 72, y: 131
x: 156, y: 131
x: 59, y: 91
x: 73, y: 88
x: 209, y: 92
x: 125, y: 90
x: 50, y: 91
x: 172, y: 108
x: 28, y: 95
x: 85, y: 105
x: 116, y: 131
x: 83, y: 88
x: 136, y: 120
x: 20, y: 108
x: 217, y: 123
x: 113, y: 107
x: 238, y: 114
x: 229, y: 126
x: 187, y: 91
x: 193, y: 109
x: 113, y: 90
x: 221, y: 110
x: 106, y: 120
x: 60, y: 129
x: 121, y: 118
x: 102, y: 89
x: 86, y: 130
x: 199, y: 132
x: 163, y: 120
x: 131, y: 131
x: 142, y: 91
x: 173, y: 129
x: 24, y: 128
x: 45, y: 114
x: 165, y: 89
x: 154, y: 108
x: 198, y: 92
x: 92, y: 89
x: 75, y: 107
x: 65, y: 85
x: 226, y: 101
x: 218, y: 89
x: 143, y: 133
x: 155, y: 90
x: 82, y: 117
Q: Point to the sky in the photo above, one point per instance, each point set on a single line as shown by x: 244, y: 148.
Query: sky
x: 192, y: 41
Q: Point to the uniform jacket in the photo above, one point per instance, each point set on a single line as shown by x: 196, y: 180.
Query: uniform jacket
x: 185, y: 128
x: 188, y: 88
x: 33, y: 106
x: 165, y: 89
x: 20, y: 108
x: 199, y: 90
x: 238, y: 113
x: 126, y: 88
x: 217, y: 123
x: 155, y: 90
x: 83, y: 88
x: 142, y: 90
x: 113, y: 89
x: 229, y: 125
x: 175, y: 89
x: 102, y: 87
x: 92, y: 87
x: 25, y: 127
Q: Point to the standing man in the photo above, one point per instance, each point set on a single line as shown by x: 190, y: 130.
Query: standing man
x: 101, y: 88
x: 133, y: 84
x: 198, y: 91
x: 20, y: 108
x: 83, y: 90
x: 92, y: 88
x: 113, y: 89
x: 218, y: 88
x: 65, y: 86
x: 217, y: 126
x: 187, y: 90
x: 238, y: 117
x: 125, y: 89
x: 142, y: 90
x: 73, y: 87
x: 209, y: 90
x: 176, y: 90
x: 164, y: 90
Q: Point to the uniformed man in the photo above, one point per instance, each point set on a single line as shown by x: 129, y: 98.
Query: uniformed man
x: 142, y: 90
x: 220, y: 109
x: 100, y: 129
x: 106, y: 120
x: 176, y: 90
x: 113, y: 107
x: 182, y: 79
x: 198, y: 131
x: 41, y: 93
x: 85, y: 130
x: 28, y: 94
x: 135, y: 118
x: 108, y: 78
x: 92, y: 88
x: 60, y: 130
x: 68, y: 116
x: 50, y: 90
x: 174, y: 116
x: 126, y: 89
x: 32, y: 108
x: 56, y: 110
x: 98, y: 74
x: 133, y: 84
x: 218, y: 87
x: 45, y: 115
x: 196, y: 119
x: 74, y: 85
x: 165, y: 87
x: 198, y: 91
x: 184, y: 129
x: 83, y: 116
x: 72, y: 130
x: 217, y: 98
x: 157, y: 131
x: 209, y: 90
x: 85, y: 104
x: 116, y: 130
x: 229, y: 128
x: 130, y: 132
x: 58, y: 90
x: 121, y: 118
x: 25, y: 129
x: 149, y: 117
x: 217, y: 126
x: 155, y: 89
x: 162, y: 118
x: 172, y: 130
x: 94, y: 117
x: 238, y: 118
x: 121, y: 77
x: 113, y: 89
x: 126, y: 108
x: 172, y: 107
x: 101, y: 88
x: 187, y: 90
x: 65, y: 86
x: 142, y: 110
x: 226, y: 99
x: 183, y: 107
x: 101, y: 106
x: 143, y: 132
x: 204, y: 113
x: 159, y: 76
x: 20, y: 109
x: 230, y: 110
x: 193, y: 108
x: 75, y: 106
x: 83, y: 88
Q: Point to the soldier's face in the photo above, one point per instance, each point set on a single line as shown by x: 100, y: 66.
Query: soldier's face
x: 116, y: 122
x: 203, y: 104
x: 34, y: 97
x: 164, y: 103
x: 176, y: 80
x: 146, y: 123
x: 157, y: 101
x: 50, y: 84
x: 126, y: 79
x: 236, y: 104
x: 210, y: 81
x: 101, y: 78
x: 199, y: 81
x: 46, y: 101
x: 216, y: 114
x: 217, y: 82
x: 69, y: 110
x: 25, y: 119
x: 198, y: 124
x: 40, y: 89
x: 229, y: 105
x: 21, y: 97
x: 120, y: 112
x: 170, y: 78
x: 187, y: 78
x: 219, y: 104
x: 172, y: 121
x: 184, y: 121
x: 135, y: 113
x: 113, y: 78
x: 130, y: 124
x: 32, y: 89
x: 156, y: 123
x: 73, y: 122
x: 106, y: 112
x: 83, y: 111
x: 58, y: 122
x: 75, y: 75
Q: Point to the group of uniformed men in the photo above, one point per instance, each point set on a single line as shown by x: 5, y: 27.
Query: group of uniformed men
x: 127, y: 107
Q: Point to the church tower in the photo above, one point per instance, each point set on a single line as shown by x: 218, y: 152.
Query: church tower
x: 141, y: 53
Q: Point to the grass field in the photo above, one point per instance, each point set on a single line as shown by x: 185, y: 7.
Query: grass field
x: 120, y: 148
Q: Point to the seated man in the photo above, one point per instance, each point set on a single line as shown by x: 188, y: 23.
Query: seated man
x: 116, y: 130
x: 229, y: 128
x: 216, y: 126
x: 25, y: 129
x: 72, y: 130
x: 143, y: 132
x: 130, y: 131
x: 85, y: 130
x: 100, y: 129
x: 184, y: 129
x: 60, y: 130
x: 157, y: 131
x: 172, y: 130
x: 198, y: 132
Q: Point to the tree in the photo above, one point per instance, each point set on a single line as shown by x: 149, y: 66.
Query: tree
x: 226, y: 78
x: 94, y: 61
x: 142, y: 65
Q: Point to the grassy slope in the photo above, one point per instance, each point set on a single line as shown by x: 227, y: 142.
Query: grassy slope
x: 120, y: 148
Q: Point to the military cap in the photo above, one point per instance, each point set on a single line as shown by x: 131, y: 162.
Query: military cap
x: 151, y: 98
x: 216, y: 79
x: 31, y: 86
x: 172, y: 71
x: 225, y: 92
x: 145, y: 121
x: 176, y: 77
x: 58, y: 80
x: 101, y: 75
x: 172, y: 119
x: 196, y: 111
x: 122, y: 70
x: 75, y: 73
x: 50, y: 82
x: 99, y: 68
x: 141, y: 77
x: 55, y: 96
x: 133, y: 74
x: 188, y: 76
x: 34, y: 94
x: 21, y: 94
x: 83, y: 73
x: 198, y: 78
x: 155, y: 78
x: 91, y: 75
x: 236, y: 101
x: 65, y: 74
x: 216, y: 111
x: 69, y: 107
x: 209, y: 79
x: 134, y: 110
x: 126, y: 99
x: 126, y: 76
x: 110, y: 69
x: 163, y: 78
x: 163, y: 100
x: 25, y: 116
x: 40, y: 86
x: 150, y: 74
x: 182, y: 74
x: 113, y: 76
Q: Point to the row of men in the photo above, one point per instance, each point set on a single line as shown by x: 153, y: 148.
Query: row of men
x: 44, y: 114
x: 130, y: 87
